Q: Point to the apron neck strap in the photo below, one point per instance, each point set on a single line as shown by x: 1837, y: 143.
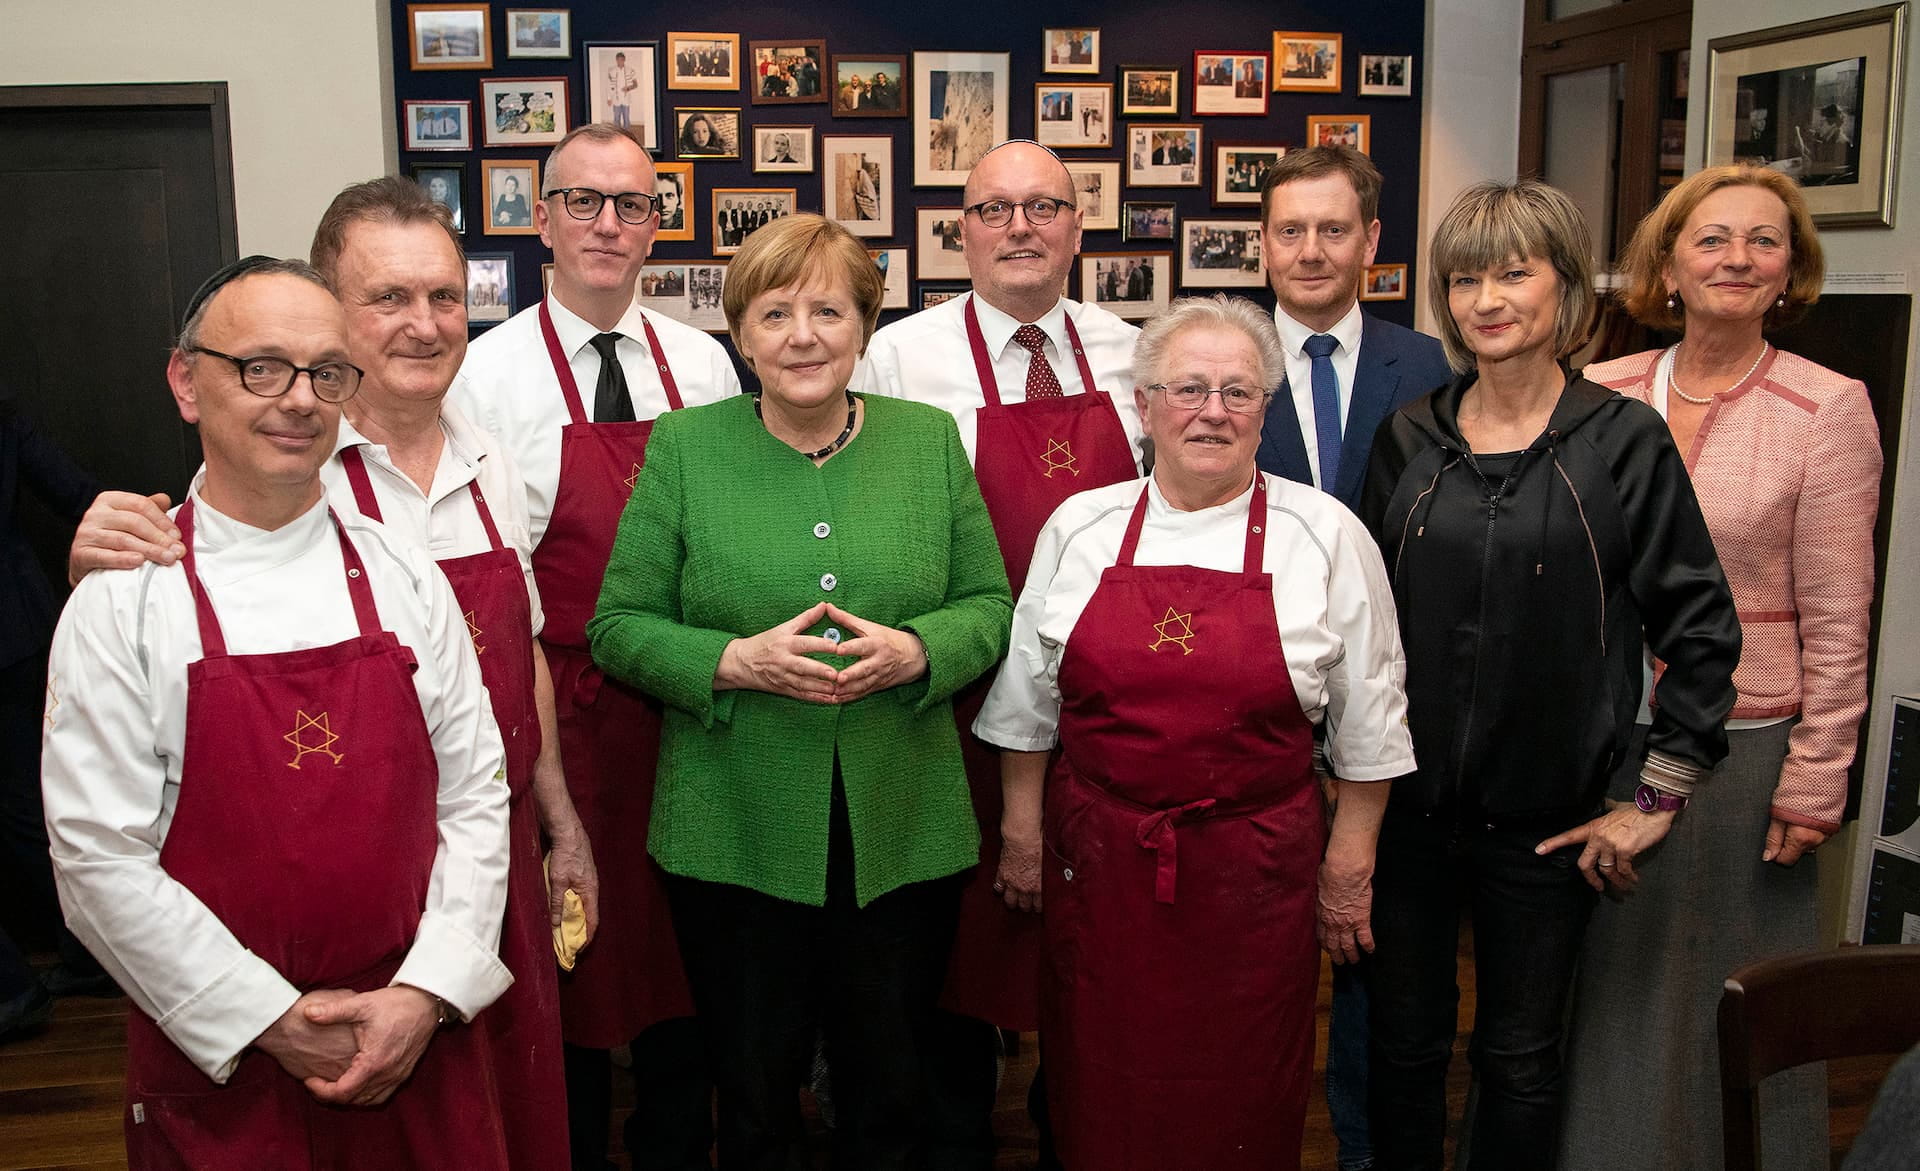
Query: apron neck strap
x: 983, y: 362
x: 213, y: 643
x: 486, y: 516
x: 369, y: 505
x: 563, y: 370
x: 1256, y: 547
x: 660, y: 363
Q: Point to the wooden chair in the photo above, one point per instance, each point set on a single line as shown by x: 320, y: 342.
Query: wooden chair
x: 1808, y: 1006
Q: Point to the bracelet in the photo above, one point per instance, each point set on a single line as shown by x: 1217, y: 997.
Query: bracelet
x: 1670, y: 774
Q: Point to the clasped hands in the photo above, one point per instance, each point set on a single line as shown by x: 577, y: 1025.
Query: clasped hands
x: 353, y: 1048
x: 777, y: 660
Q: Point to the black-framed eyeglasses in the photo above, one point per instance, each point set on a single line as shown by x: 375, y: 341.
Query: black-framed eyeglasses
x: 1191, y: 396
x: 998, y: 213
x: 270, y: 377
x: 584, y: 203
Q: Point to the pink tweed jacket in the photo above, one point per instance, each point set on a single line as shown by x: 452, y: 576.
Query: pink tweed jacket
x: 1787, y: 468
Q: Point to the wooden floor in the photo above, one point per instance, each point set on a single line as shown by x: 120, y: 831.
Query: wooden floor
x: 60, y: 1092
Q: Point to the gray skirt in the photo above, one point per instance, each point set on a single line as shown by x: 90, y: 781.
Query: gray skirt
x: 1642, y: 1062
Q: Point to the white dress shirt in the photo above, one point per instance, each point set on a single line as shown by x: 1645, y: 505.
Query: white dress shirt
x: 926, y: 358
x: 116, y: 734
x: 1331, y: 600
x: 443, y: 521
x: 507, y: 385
x: 1346, y: 360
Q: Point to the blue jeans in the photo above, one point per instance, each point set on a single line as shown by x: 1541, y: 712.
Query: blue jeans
x: 1529, y: 916
x: 1347, y: 1065
x: 623, y: 115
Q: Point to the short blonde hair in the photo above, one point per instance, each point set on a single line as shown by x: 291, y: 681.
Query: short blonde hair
x: 1492, y: 223
x: 791, y: 248
x: 1643, y: 267
x: 1216, y: 312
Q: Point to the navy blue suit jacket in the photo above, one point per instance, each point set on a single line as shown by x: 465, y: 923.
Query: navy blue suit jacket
x: 1396, y: 366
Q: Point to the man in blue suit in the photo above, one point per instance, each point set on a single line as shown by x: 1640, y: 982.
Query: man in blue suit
x: 1346, y: 372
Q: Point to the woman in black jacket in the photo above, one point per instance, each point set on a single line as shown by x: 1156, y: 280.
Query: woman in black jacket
x: 1539, y: 529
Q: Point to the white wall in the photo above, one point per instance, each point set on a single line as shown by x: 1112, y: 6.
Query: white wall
x: 1471, y: 129
x: 309, y: 84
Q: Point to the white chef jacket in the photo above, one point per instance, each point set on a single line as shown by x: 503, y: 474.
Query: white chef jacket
x: 1346, y: 362
x: 926, y: 358
x: 116, y: 733
x: 444, y: 521
x: 1331, y: 600
x: 507, y: 385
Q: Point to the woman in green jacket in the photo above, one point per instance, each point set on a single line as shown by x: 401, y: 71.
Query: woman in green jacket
x: 805, y: 577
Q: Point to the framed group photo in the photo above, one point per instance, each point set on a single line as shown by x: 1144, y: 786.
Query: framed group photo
x: 673, y: 188
x: 1239, y: 168
x: 1340, y: 130
x: 523, y: 111
x: 869, y: 85
x: 1306, y: 62
x: 1229, y: 83
x: 489, y: 287
x: 1070, y: 50
x: 623, y: 87
x: 706, y: 132
x: 787, y: 72
x: 786, y: 149
x: 687, y: 291
x: 856, y: 176
x: 1384, y: 282
x: 538, y: 32
x: 959, y: 113
x: 939, y: 294
x: 438, y: 125
x: 446, y: 185
x: 1148, y: 219
x: 936, y: 240
x: 1129, y: 285
x: 512, y: 187
x: 1150, y: 91
x: 1073, y: 114
x: 449, y: 36
x: 1383, y: 76
x: 739, y: 212
x: 1221, y: 254
x: 1163, y: 156
x: 703, y: 61
x: 1096, y: 192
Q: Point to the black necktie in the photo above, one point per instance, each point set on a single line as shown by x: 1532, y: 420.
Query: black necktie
x: 611, y: 402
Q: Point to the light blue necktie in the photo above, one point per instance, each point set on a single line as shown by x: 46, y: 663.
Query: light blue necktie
x: 1326, y: 408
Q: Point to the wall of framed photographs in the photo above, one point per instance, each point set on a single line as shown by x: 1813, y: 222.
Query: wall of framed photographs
x: 1166, y: 116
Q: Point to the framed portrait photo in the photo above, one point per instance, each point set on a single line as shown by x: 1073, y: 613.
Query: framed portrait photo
x: 936, y: 238
x: 940, y: 294
x: 1354, y: 130
x: 673, y: 187
x: 538, y: 32
x: 623, y: 86
x: 686, y: 290
x: 1160, y: 155
x: 523, y: 111
x: 783, y: 148
x: 856, y: 178
x: 1150, y: 90
x: 1306, y: 62
x: 1386, y: 75
x: 446, y: 185
x: 489, y: 287
x: 785, y: 73
x: 1221, y: 254
x: 1229, y: 83
x: 703, y: 133
x: 1070, y: 114
x: 869, y: 85
x: 892, y: 263
x: 1148, y: 219
x: 1070, y: 50
x: 1129, y: 285
x: 739, y: 212
x: 1384, y: 282
x: 1820, y: 101
x: 449, y: 36
x: 438, y: 125
x: 512, y: 187
x: 703, y: 61
x: 959, y: 113
x: 1238, y: 168
x: 1096, y: 192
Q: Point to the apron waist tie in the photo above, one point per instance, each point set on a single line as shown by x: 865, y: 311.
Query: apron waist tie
x: 1156, y: 832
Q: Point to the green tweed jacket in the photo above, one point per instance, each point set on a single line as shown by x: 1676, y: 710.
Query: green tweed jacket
x: 730, y: 532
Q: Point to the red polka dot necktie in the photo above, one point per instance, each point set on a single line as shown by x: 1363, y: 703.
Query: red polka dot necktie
x: 1042, y: 382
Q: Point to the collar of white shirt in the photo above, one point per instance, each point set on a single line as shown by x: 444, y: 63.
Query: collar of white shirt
x: 463, y: 442
x: 1294, y: 335
x: 997, y: 329
x: 244, y: 550
x: 575, y: 332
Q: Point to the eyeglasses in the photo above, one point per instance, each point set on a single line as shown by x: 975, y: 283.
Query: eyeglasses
x: 1765, y: 243
x: 584, y: 203
x: 998, y: 213
x: 269, y: 377
x: 1191, y: 396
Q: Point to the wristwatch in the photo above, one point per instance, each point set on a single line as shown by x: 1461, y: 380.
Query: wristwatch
x: 1648, y: 799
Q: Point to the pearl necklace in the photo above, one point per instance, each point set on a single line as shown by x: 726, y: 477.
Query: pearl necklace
x: 1674, y: 383
x: 829, y: 449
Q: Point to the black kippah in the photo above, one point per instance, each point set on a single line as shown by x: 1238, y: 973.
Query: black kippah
x: 222, y: 279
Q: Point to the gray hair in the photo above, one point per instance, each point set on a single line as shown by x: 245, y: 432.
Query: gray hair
x: 240, y: 270
x: 601, y: 132
x: 1216, y: 312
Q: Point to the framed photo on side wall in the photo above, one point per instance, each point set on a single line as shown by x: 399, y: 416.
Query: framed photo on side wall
x: 438, y: 125
x: 959, y: 113
x: 783, y: 149
x: 1221, y: 254
x: 1238, y: 168
x: 449, y: 36
x: 1161, y: 155
x: 512, y: 187
x: 1306, y: 62
x: 673, y: 187
x: 1384, y: 282
x: 523, y: 111
x: 1150, y: 90
x: 446, y: 185
x: 1386, y: 76
x: 1096, y: 192
x: 856, y: 178
x: 785, y: 73
x: 489, y: 287
x: 703, y: 61
x: 937, y: 239
x: 623, y: 86
x: 1148, y: 220
x: 686, y: 290
x: 1070, y: 50
x: 1229, y: 83
x: 1073, y: 114
x: 1354, y: 130
x: 1129, y: 285
x: 739, y: 212
x: 940, y: 294
x: 706, y: 132
x: 869, y: 85
x: 538, y: 32
x: 892, y: 263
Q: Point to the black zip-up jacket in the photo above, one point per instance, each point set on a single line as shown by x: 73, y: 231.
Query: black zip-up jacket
x: 1526, y: 585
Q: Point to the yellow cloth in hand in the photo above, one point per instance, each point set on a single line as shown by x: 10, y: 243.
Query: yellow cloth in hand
x: 571, y: 935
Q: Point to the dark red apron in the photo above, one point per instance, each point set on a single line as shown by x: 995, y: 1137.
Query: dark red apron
x: 525, y: 1022
x: 307, y: 823
x: 630, y: 976
x: 1028, y: 457
x: 1184, y: 837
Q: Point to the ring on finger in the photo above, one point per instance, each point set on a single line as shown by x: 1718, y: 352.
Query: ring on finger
x: 1606, y: 864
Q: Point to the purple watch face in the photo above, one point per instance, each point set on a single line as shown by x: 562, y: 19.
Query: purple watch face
x: 1648, y: 799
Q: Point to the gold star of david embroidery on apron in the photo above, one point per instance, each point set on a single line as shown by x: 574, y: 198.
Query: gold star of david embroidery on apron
x: 1059, y: 458
x: 1175, y: 628
x: 322, y: 741
x: 473, y: 634
x: 633, y: 479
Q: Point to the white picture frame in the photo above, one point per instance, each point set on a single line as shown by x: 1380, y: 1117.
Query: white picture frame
x: 539, y: 32
x: 1164, y: 154
x: 959, y: 113
x: 641, y: 69
x: 893, y: 264
x: 783, y: 149
x: 1221, y: 254
x: 856, y: 182
x: 936, y: 239
x: 1130, y: 285
x: 689, y: 291
x: 1073, y: 115
x: 1096, y: 192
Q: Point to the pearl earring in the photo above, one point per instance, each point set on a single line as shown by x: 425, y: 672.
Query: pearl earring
x: 1781, y: 302
x: 1671, y: 304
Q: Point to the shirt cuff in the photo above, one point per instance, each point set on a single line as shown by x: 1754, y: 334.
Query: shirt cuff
x: 219, y: 1022
x: 447, y: 962
x: 1382, y: 771
x: 1015, y: 742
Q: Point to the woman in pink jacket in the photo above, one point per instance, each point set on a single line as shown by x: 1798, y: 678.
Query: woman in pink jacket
x: 1785, y: 457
